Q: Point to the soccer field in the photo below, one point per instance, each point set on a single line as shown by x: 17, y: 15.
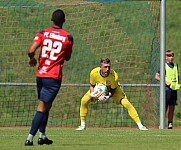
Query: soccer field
x: 94, y: 139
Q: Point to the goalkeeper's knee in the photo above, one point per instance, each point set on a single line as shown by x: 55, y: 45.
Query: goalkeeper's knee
x: 131, y: 110
x: 84, y: 106
x: 85, y: 100
x: 126, y: 103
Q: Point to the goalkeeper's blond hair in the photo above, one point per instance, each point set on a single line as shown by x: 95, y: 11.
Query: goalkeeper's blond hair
x: 105, y: 60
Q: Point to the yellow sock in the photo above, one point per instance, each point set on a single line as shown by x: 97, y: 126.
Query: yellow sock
x: 131, y: 110
x: 84, y: 108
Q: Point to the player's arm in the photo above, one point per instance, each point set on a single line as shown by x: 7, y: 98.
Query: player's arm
x: 31, y: 53
x: 114, y: 84
x: 94, y: 93
x: 92, y: 88
x: 111, y: 92
x: 68, y: 56
x: 69, y: 48
x: 92, y: 81
x: 32, y: 49
x: 178, y: 74
x: 157, y: 76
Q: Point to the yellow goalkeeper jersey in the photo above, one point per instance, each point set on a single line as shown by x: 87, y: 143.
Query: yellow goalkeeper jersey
x: 111, y: 81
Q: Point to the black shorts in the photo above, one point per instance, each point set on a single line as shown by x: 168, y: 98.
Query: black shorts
x: 171, y: 97
x: 47, y: 89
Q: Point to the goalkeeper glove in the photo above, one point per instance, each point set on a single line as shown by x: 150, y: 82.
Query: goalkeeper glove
x: 94, y: 94
x: 106, y: 98
x: 103, y: 98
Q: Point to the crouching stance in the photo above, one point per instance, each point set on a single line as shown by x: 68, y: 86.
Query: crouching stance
x: 107, y: 76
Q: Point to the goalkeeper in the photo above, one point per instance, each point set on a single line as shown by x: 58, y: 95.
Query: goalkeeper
x: 107, y: 76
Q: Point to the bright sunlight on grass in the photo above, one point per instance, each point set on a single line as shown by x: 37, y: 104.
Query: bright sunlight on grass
x: 97, y: 139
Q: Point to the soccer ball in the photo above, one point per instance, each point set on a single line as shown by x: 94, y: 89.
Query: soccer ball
x: 100, y: 88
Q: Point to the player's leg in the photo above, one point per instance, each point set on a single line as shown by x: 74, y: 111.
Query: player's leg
x: 167, y: 105
x: 46, y: 94
x: 38, y: 116
x: 120, y: 98
x: 36, y: 122
x: 86, y: 99
x: 43, y: 125
x: 171, y: 109
x: 42, y: 129
x: 171, y: 102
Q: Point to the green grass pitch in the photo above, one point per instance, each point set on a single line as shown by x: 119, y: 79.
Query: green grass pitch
x: 94, y: 139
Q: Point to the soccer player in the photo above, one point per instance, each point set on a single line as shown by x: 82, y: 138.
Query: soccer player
x: 171, y: 85
x: 107, y: 76
x: 55, y: 47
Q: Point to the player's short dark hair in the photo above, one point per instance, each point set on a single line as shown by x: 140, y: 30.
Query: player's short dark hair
x: 58, y: 17
x: 169, y: 53
x: 105, y: 60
